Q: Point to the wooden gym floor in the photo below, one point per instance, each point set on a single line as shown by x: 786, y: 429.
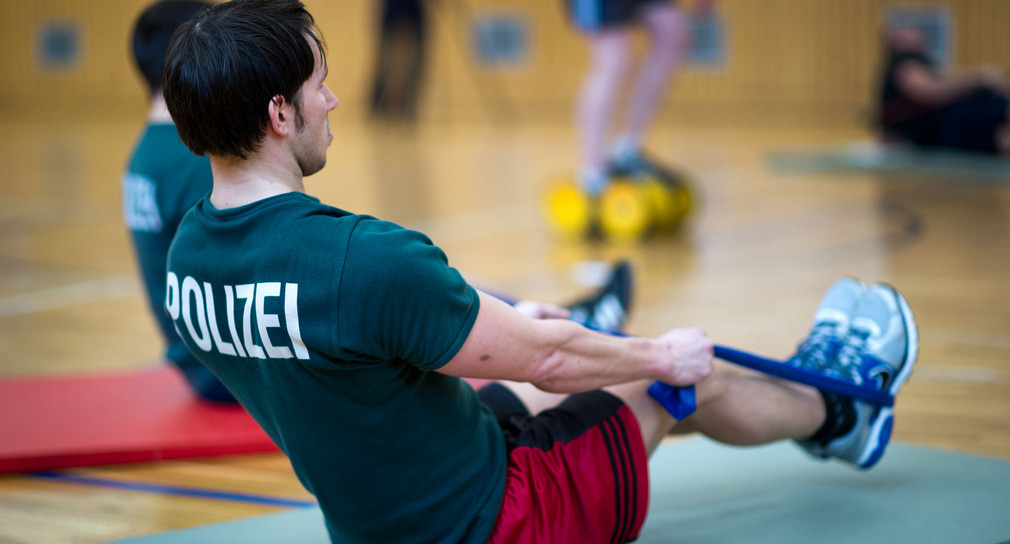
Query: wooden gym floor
x: 749, y: 267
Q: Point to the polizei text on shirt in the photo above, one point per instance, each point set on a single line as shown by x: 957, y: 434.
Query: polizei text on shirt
x: 247, y: 328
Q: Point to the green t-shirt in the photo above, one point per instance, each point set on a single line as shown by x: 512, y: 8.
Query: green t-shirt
x: 328, y: 327
x: 162, y: 181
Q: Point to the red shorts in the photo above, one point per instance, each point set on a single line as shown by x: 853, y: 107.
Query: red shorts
x: 576, y: 473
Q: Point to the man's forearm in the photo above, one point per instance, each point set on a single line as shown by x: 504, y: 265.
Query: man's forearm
x: 577, y: 359
x: 562, y: 356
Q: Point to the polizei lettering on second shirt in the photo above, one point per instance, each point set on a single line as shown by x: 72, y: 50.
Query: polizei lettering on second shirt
x: 245, y: 308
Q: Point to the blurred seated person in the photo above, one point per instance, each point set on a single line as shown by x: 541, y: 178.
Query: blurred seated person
x: 926, y: 108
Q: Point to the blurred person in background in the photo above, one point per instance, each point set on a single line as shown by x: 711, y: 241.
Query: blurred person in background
x: 608, y: 26
x: 163, y: 180
x: 922, y: 106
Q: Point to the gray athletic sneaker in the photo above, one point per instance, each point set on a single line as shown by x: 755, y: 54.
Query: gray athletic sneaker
x: 831, y: 324
x: 878, y: 353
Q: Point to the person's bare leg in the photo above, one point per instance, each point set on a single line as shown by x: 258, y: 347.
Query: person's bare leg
x: 742, y: 407
x: 536, y: 400
x: 653, y: 420
x: 667, y: 30
x: 610, y: 52
x: 735, y: 405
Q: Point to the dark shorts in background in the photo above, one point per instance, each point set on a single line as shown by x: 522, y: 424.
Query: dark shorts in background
x: 589, y: 15
x: 576, y: 473
x: 970, y: 124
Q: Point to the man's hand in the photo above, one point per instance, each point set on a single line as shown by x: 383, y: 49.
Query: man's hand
x: 992, y: 77
x: 691, y: 352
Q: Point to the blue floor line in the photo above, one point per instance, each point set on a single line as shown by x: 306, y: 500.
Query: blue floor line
x: 171, y: 490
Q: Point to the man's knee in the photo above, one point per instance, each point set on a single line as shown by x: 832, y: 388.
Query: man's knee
x: 611, y: 51
x: 716, y: 384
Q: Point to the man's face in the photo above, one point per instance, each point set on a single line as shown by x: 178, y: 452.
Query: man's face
x: 908, y: 38
x: 312, y: 128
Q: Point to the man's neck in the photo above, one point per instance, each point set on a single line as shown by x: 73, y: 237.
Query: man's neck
x: 158, y: 113
x: 238, y: 182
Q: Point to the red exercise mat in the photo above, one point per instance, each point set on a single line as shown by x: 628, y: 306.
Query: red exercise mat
x: 58, y: 422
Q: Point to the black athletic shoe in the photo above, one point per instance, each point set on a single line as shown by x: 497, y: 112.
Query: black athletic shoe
x: 609, y: 307
x: 639, y: 165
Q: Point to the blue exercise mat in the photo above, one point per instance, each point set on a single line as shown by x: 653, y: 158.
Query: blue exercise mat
x: 703, y: 492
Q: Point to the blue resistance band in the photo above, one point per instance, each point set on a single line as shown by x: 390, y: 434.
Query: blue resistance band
x: 680, y: 401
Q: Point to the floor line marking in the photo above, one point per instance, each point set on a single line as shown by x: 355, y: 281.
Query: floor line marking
x: 181, y: 491
x: 69, y: 295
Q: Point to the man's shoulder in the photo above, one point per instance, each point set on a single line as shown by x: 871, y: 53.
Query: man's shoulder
x: 283, y: 214
x: 160, y: 135
x: 378, y: 236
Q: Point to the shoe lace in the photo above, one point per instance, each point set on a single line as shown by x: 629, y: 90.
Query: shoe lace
x: 850, y: 356
x: 814, y: 352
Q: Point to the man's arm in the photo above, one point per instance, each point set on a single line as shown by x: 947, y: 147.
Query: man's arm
x: 918, y: 83
x: 561, y: 356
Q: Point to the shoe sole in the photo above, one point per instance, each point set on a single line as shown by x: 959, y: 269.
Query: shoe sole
x: 880, y: 434
x: 912, y: 346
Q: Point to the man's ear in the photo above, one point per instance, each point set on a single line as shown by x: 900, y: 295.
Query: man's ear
x: 281, y: 115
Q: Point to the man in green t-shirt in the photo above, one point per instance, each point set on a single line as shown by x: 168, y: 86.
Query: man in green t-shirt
x: 161, y: 183
x: 346, y: 337
x: 164, y: 179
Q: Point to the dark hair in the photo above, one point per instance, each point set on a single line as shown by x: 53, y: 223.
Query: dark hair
x: 152, y: 31
x: 225, y: 65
